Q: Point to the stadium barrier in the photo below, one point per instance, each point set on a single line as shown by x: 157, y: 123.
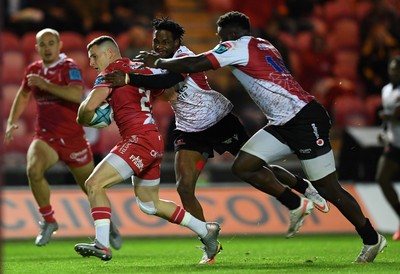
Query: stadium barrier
x: 239, y: 209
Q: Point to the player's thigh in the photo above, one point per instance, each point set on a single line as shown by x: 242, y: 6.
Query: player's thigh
x: 82, y: 173
x: 41, y: 156
x: 319, y: 167
x: 266, y: 147
x: 387, y: 169
x: 104, y: 175
x: 147, y: 193
x: 188, y: 163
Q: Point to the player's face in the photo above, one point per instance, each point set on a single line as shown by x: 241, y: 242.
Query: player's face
x: 226, y: 34
x: 394, y: 72
x: 164, y: 43
x: 223, y: 34
x: 98, y: 58
x: 48, y: 47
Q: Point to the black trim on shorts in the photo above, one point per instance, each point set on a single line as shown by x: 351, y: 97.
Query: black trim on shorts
x: 307, y: 134
x: 228, y: 135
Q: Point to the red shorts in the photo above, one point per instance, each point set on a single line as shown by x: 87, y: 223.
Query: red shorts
x: 74, y: 152
x: 143, y: 153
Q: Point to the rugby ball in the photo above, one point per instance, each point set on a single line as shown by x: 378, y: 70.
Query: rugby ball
x: 103, y: 116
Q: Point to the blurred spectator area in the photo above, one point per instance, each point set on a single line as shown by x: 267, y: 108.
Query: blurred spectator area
x: 337, y: 49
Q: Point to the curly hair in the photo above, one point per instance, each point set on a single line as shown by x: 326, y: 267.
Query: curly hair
x: 169, y: 25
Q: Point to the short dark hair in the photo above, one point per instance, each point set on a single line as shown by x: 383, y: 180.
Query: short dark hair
x: 100, y: 40
x: 169, y: 25
x: 234, y: 18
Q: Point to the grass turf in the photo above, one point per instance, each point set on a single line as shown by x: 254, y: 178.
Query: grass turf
x: 241, y: 254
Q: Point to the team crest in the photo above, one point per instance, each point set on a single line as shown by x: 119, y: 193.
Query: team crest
x: 320, y: 142
x: 222, y: 48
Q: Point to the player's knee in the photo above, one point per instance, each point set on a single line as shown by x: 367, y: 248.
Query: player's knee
x: 146, y: 207
x: 33, y: 173
x: 185, y: 188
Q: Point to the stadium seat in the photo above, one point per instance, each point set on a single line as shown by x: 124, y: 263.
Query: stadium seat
x: 122, y: 40
x: 346, y: 64
x: 80, y: 57
x: 28, y: 46
x: 13, y: 66
x: 349, y: 111
x: 72, y: 41
x: 9, y: 92
x: 10, y: 41
x: 344, y: 34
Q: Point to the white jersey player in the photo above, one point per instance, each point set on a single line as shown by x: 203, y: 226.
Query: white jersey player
x: 389, y: 162
x: 297, y: 124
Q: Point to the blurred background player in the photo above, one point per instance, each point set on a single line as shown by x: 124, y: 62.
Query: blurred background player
x: 56, y: 84
x: 203, y: 117
x: 138, y: 154
x: 297, y: 122
x: 389, y: 162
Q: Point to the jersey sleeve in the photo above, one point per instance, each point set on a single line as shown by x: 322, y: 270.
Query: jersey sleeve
x: 225, y: 54
x: 72, y: 73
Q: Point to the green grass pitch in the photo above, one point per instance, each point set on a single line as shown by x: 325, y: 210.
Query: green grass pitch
x: 241, y: 254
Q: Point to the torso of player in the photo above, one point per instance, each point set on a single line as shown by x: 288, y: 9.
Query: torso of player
x: 390, y: 101
x: 197, y: 107
x: 259, y: 67
x: 132, y: 106
x: 56, y: 117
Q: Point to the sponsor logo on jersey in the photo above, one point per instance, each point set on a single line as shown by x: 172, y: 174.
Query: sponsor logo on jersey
x: 137, y: 161
x: 222, y: 48
x: 182, y: 94
x: 80, y: 156
x: 74, y: 74
x: 98, y: 80
x: 262, y: 46
x: 156, y: 154
x: 305, y: 150
x: 180, y: 142
x: 230, y: 140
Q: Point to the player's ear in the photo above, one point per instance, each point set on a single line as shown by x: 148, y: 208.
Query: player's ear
x: 177, y: 43
x: 60, y: 45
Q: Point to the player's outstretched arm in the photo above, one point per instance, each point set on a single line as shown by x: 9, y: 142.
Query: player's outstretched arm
x: 188, y: 64
x: 119, y: 78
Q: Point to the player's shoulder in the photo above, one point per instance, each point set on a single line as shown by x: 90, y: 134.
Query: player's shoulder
x: 35, y: 65
x: 387, y: 88
x: 183, y: 51
x: 69, y: 63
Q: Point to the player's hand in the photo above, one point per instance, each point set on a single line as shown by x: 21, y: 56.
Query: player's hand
x: 147, y: 58
x: 117, y: 78
x: 37, y: 81
x: 9, y: 133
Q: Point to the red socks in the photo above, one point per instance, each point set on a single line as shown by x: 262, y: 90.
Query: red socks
x: 47, y: 214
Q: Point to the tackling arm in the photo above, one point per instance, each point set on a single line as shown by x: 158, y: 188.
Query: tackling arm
x: 186, y: 64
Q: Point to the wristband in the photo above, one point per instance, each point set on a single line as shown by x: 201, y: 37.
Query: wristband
x: 127, y: 79
x: 156, y: 62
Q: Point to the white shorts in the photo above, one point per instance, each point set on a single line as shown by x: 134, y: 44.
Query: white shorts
x: 268, y: 148
x: 126, y: 171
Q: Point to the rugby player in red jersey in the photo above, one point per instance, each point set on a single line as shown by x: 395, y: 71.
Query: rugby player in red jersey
x: 55, y: 82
